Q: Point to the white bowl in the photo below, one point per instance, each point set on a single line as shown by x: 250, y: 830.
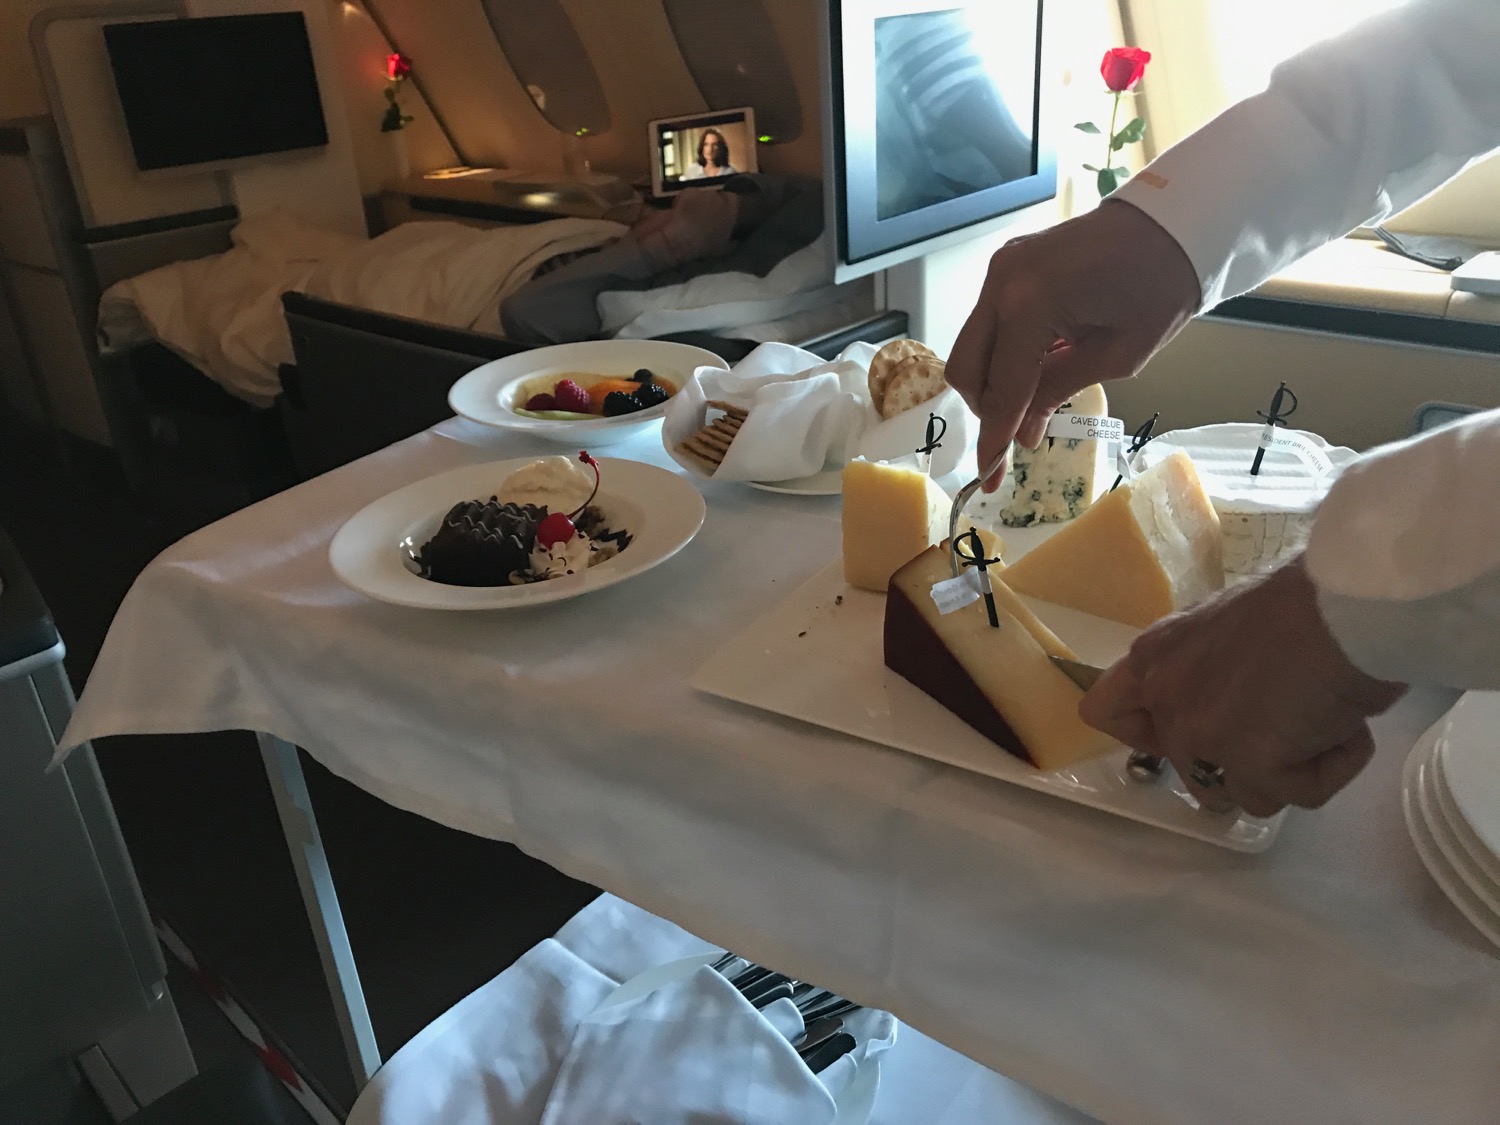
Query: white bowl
x: 488, y: 394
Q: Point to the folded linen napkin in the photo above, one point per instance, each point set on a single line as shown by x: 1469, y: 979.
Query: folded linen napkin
x: 491, y: 1058
x: 807, y: 414
x: 694, y: 1051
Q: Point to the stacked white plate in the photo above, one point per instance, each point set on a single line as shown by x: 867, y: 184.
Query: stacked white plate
x: 1451, y: 794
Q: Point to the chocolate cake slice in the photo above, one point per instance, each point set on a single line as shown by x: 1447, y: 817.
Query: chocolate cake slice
x: 481, y: 543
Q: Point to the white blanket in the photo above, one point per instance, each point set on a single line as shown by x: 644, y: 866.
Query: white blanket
x: 223, y: 313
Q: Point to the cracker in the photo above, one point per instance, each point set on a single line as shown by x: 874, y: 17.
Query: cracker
x: 728, y: 425
x: 883, y: 366
x: 730, y: 409
x: 703, y: 450
x: 711, y: 444
x: 914, y: 381
x: 717, y: 439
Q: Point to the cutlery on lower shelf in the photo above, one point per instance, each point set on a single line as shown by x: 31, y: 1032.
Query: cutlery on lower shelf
x: 828, y: 1052
x: 834, y: 1006
x: 815, y: 1033
x: 765, y: 999
x: 765, y: 984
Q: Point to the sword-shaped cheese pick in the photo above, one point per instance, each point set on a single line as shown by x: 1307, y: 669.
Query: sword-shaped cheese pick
x: 1137, y: 441
x: 1274, y: 417
x: 960, y: 502
x: 937, y: 427
x: 974, y: 557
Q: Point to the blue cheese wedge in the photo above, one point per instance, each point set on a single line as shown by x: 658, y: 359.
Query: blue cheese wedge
x: 1059, y: 479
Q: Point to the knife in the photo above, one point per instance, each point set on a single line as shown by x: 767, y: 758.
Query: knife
x: 1141, y: 766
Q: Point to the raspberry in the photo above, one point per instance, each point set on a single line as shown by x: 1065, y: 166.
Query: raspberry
x: 570, y: 396
x: 540, y: 402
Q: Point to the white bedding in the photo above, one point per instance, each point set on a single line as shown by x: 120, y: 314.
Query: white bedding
x: 223, y: 313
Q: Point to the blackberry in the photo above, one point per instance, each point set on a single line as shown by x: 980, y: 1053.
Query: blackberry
x: 617, y: 403
x: 643, y: 375
x: 650, y: 394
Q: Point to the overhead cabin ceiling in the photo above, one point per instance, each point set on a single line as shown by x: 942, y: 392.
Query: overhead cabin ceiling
x: 484, y: 104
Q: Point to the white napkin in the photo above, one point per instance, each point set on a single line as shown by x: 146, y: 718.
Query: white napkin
x: 692, y: 1051
x: 494, y: 1053
x: 807, y: 414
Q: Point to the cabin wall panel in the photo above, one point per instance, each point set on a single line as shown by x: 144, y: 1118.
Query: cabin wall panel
x: 494, y: 121
x: 360, y: 49
x: 466, y: 77
x: 21, y: 93
x: 1355, y: 392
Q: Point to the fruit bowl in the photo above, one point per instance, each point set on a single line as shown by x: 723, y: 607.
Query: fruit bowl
x: 497, y: 393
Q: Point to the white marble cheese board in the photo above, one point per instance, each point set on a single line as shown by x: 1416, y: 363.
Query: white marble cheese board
x: 835, y: 629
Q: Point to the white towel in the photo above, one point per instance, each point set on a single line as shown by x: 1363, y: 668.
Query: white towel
x: 807, y: 414
x: 692, y: 1052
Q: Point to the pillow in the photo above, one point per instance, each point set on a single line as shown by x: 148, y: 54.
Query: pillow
x: 721, y: 300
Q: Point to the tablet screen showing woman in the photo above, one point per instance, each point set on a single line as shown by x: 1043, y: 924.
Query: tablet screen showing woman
x: 702, y: 150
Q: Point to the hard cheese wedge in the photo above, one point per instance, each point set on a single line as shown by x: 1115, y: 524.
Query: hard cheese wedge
x: 1060, y: 478
x: 999, y: 681
x: 1148, y: 548
x: 891, y: 515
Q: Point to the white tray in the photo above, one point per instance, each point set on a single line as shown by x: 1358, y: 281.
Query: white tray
x: 836, y: 629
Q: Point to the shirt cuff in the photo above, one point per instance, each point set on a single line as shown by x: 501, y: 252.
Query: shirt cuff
x: 1443, y: 641
x: 1235, y: 196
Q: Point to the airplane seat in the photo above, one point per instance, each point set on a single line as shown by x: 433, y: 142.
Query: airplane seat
x: 363, y: 380
x: 82, y: 976
x: 1431, y: 415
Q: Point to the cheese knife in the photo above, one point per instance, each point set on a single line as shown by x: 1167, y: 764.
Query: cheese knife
x: 1141, y: 766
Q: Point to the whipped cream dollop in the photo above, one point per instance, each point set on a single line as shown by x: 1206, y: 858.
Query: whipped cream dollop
x: 559, y: 484
x: 562, y: 559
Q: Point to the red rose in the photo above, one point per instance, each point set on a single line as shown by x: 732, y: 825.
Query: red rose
x: 1123, y: 66
x: 397, y: 66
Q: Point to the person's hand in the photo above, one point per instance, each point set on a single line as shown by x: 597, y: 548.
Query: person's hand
x: 1089, y: 300
x: 1252, y: 682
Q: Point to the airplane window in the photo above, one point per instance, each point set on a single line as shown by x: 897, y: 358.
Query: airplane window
x: 735, y: 59
x: 543, y: 48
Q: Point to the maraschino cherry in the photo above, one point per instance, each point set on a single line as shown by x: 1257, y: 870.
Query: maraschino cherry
x: 559, y: 528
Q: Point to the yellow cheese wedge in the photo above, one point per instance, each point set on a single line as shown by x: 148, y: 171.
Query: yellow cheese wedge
x: 891, y: 515
x: 999, y: 681
x: 1146, y: 549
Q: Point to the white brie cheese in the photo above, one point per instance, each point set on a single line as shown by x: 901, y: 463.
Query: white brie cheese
x: 1265, y: 518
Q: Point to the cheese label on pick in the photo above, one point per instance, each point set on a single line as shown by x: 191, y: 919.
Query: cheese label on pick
x: 955, y: 593
x: 1091, y: 427
x: 1300, y: 448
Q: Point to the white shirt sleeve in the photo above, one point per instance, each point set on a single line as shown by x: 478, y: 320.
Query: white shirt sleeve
x: 1348, y: 132
x: 1405, y: 551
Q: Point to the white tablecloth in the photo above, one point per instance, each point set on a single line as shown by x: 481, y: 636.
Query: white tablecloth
x: 491, y: 1058
x: 1134, y: 974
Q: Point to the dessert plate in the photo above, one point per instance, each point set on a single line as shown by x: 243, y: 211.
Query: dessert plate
x: 830, y: 482
x: 1485, y: 920
x: 1459, y: 860
x: 1469, y: 755
x: 489, y: 394
x: 837, y: 629
x: 372, y: 551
